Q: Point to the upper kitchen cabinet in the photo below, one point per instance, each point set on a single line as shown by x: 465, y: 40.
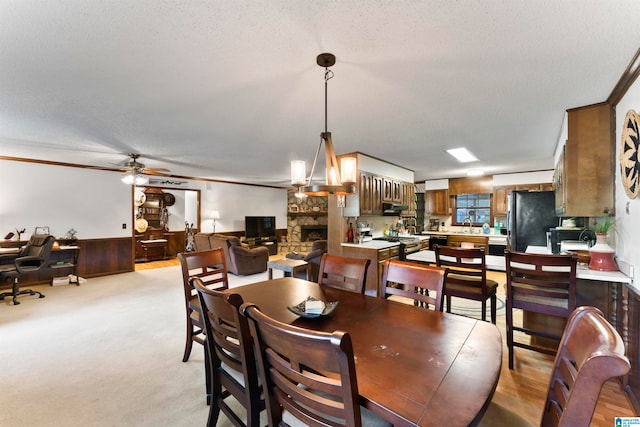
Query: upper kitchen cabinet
x: 586, y: 186
x: 501, y: 195
x: 379, y: 182
x: 437, y: 202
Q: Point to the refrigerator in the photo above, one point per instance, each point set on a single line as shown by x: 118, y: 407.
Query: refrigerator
x: 531, y: 215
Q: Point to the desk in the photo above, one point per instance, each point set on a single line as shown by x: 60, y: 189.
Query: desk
x: 415, y: 367
x: 62, y: 258
x: 291, y: 266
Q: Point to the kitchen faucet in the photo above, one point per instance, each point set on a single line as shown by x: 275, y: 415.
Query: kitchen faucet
x: 470, y: 224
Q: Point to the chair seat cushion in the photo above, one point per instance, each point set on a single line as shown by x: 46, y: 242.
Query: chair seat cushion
x: 492, y: 285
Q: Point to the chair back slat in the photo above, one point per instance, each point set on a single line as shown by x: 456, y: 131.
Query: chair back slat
x: 422, y: 283
x: 309, y: 375
x: 230, y: 349
x: 343, y: 272
x: 538, y: 283
x: 591, y: 352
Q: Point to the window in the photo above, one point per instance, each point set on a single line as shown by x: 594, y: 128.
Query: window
x: 473, y: 207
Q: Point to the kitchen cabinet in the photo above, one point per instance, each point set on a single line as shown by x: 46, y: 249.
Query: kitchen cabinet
x: 501, y: 199
x: 501, y: 195
x: 377, y: 257
x: 374, y: 190
x: 471, y: 185
x: 585, y: 178
x: 408, y: 198
x: 366, y: 193
x: 437, y: 202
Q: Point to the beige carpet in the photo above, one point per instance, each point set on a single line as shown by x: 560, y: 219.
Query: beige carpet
x: 107, y: 353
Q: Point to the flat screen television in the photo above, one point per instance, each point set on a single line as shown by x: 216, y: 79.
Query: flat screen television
x: 259, y: 226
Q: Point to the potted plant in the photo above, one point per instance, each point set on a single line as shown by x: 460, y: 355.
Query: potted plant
x: 601, y: 253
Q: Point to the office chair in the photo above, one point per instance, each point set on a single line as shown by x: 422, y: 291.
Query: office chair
x: 31, y: 258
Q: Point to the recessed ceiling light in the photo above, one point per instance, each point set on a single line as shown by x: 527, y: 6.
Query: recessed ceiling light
x: 462, y: 155
x: 475, y: 172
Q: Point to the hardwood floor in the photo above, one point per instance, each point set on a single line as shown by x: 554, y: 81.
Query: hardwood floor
x: 523, y: 390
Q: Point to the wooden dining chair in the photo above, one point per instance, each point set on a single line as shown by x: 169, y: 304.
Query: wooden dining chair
x: 343, y: 272
x: 544, y: 284
x: 210, y: 267
x: 309, y: 377
x: 232, y: 364
x: 467, y: 277
x: 590, y: 353
x: 424, y: 284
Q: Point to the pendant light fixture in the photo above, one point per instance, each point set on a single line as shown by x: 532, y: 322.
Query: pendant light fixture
x: 339, y: 180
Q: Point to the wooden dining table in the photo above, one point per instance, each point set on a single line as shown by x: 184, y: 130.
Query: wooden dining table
x: 415, y: 367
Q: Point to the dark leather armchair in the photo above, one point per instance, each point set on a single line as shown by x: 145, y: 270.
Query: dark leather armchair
x: 318, y: 248
x: 31, y: 258
x: 241, y: 259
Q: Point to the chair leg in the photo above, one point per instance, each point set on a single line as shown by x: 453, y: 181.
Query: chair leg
x: 448, y: 303
x: 15, y: 292
x: 494, y: 302
x: 189, y: 343
x: 509, y: 327
x: 484, y: 310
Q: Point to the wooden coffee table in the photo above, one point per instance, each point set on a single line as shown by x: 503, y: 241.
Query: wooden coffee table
x: 291, y: 266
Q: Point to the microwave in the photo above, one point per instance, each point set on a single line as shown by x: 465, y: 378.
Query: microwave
x: 559, y: 235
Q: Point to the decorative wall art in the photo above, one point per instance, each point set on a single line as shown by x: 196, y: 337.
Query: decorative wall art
x: 629, y: 164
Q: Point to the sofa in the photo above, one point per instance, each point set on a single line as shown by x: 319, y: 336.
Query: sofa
x: 241, y: 260
x: 318, y: 248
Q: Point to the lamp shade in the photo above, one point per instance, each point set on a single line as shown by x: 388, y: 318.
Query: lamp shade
x: 298, y: 172
x: 215, y: 214
x: 348, y: 170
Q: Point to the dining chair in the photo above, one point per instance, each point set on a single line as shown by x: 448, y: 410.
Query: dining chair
x: 232, y: 364
x: 467, y: 277
x: 590, y: 353
x: 343, y: 272
x: 538, y: 283
x: 309, y: 377
x: 458, y: 241
x: 424, y: 284
x: 210, y: 267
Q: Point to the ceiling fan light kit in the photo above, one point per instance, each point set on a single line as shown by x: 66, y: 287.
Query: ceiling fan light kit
x: 340, y: 180
x: 136, y: 171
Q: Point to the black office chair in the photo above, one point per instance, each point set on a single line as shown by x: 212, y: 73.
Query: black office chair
x: 31, y: 258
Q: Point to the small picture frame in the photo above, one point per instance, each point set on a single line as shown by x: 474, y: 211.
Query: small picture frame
x: 294, y: 208
x: 42, y: 230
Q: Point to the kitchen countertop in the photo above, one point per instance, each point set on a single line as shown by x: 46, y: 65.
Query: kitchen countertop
x: 497, y: 263
x: 380, y: 244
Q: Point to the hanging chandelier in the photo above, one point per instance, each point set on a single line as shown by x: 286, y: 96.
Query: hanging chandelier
x: 339, y: 180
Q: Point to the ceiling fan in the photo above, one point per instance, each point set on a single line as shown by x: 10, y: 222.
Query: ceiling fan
x: 136, y: 171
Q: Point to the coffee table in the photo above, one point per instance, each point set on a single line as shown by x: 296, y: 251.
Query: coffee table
x: 291, y: 266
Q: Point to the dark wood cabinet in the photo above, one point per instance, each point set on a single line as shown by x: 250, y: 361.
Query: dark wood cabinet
x: 436, y: 202
x: 585, y: 178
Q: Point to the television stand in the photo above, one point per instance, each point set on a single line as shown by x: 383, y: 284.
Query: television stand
x: 270, y: 243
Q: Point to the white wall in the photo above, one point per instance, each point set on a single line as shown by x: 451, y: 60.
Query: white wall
x: 627, y: 231
x: 96, y: 203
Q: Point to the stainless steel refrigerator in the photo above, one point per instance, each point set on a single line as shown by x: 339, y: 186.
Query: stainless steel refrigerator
x: 531, y: 215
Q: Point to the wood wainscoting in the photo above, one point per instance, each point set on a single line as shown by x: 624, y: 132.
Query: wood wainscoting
x: 100, y: 257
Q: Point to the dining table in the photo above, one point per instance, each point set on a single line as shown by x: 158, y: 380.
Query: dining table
x: 414, y: 366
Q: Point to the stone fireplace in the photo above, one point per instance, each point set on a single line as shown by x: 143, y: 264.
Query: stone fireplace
x: 311, y: 233
x: 307, y: 222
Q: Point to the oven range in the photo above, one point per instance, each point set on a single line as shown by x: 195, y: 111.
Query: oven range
x: 408, y: 245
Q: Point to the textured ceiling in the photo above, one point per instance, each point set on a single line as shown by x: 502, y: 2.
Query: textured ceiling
x: 230, y: 89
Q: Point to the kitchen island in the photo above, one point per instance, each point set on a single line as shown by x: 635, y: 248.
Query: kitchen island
x: 378, y: 251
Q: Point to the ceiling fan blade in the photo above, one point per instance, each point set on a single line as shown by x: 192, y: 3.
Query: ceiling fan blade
x: 155, y: 171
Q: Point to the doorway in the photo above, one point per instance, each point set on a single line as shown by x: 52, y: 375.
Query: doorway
x: 161, y: 218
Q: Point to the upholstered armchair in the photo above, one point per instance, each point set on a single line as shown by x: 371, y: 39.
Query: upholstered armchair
x: 318, y: 248
x: 241, y: 259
